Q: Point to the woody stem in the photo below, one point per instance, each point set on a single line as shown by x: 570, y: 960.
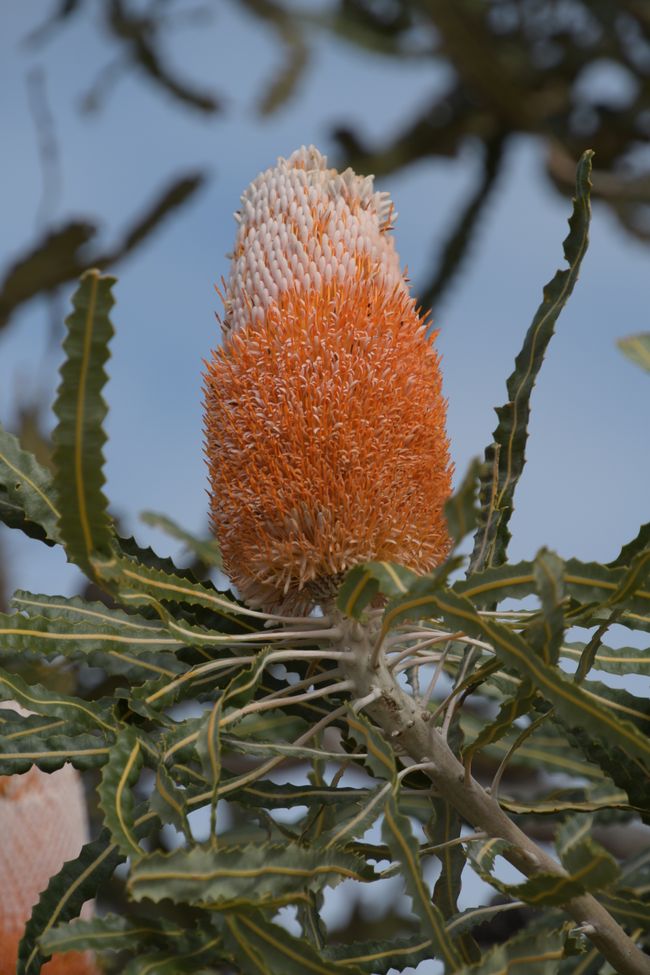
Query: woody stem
x: 402, y: 718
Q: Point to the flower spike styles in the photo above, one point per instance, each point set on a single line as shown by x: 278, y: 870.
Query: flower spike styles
x: 324, y: 414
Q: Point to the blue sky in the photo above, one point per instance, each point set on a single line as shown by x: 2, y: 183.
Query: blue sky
x: 585, y: 487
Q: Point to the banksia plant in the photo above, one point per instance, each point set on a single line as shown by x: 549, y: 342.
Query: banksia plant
x: 324, y: 413
x: 396, y: 722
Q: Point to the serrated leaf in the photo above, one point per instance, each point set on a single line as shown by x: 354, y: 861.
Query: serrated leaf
x: 34, y: 697
x: 108, y: 933
x: 263, y: 948
x: 251, y: 874
x: 188, y: 956
x: 208, y: 747
x: 66, y: 893
x: 545, y: 632
x: 404, y: 849
x: 169, y: 801
x: 505, y: 457
x: 632, y: 548
x: 26, y: 493
x: 364, y: 582
x: 119, y: 774
x: 571, y: 701
x: 85, y: 526
x: 444, y: 826
x: 580, y: 853
x: 380, y: 758
x: 637, y: 348
x: 207, y: 550
x: 137, y: 649
x: 511, y: 709
x: 525, y: 954
x: 47, y: 743
x: 613, y: 660
x: 628, y: 910
x: 461, y: 509
x: 595, y: 872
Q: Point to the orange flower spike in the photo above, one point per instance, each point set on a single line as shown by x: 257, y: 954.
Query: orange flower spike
x: 324, y: 414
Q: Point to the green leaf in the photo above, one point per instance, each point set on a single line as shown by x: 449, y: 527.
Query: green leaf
x: 169, y: 801
x: 630, y: 911
x: 461, y: 510
x: 364, y: 582
x: 572, y: 702
x: 66, y: 893
x: 207, y: 550
x: 580, y: 854
x: 444, y: 826
x: 26, y: 493
x: 595, y: 870
x: 190, y: 955
x: 511, y: 709
x: 637, y: 348
x: 630, y: 549
x: 133, y: 646
x: 380, y: 759
x: 404, y: 849
x: 108, y: 933
x: 262, y: 948
x: 613, y: 660
x: 119, y: 775
x: 525, y: 954
x: 505, y: 457
x: 84, y: 525
x: 47, y: 743
x: 34, y: 697
x: 545, y: 633
x: 208, y: 748
x: 251, y: 874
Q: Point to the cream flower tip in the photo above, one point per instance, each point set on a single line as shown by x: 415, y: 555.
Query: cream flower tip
x: 303, y: 225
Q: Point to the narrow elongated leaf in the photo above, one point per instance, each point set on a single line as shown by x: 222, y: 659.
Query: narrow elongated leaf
x: 48, y: 744
x: 364, y: 582
x: 571, y: 701
x: 205, y: 549
x: 188, y: 956
x: 252, y: 874
x: 511, y: 709
x: 404, y: 849
x: 637, y: 348
x: 66, y: 893
x: 613, y: 660
x: 26, y: 493
x: 545, y: 633
x: 34, y: 697
x: 632, y: 548
x: 379, y: 755
x: 461, y: 509
x: 84, y: 525
x: 119, y: 775
x: 108, y: 933
x: 505, y: 457
x: 525, y: 954
x: 595, y: 871
x: 262, y: 948
x: 579, y: 852
x: 445, y: 826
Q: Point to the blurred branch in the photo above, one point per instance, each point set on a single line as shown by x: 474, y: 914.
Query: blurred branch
x: 47, y: 144
x: 456, y: 248
x: 62, y: 255
x: 286, y: 26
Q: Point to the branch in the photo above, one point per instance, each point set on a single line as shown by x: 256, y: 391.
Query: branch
x: 400, y: 717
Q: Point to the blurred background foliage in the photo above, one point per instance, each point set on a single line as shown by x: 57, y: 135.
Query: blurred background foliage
x: 568, y: 73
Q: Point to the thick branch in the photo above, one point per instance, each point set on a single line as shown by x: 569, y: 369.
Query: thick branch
x: 402, y: 720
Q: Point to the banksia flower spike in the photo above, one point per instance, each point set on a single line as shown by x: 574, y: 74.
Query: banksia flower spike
x: 324, y: 414
x: 42, y: 824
